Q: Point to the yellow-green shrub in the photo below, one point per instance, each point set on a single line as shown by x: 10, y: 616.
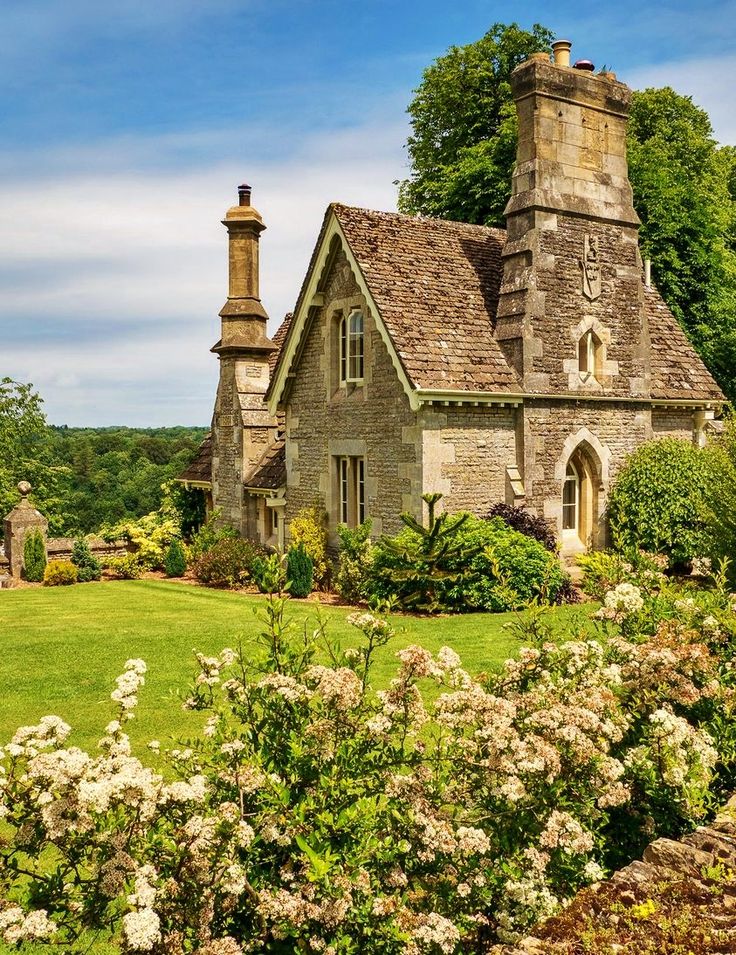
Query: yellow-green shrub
x: 309, y: 527
x: 59, y: 573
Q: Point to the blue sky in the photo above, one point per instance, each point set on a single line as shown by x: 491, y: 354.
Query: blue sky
x: 125, y: 127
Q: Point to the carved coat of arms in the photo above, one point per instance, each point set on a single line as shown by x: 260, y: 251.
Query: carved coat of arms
x: 591, y: 267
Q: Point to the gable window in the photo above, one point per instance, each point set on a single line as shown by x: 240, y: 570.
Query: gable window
x: 570, y: 499
x: 588, y: 352
x: 351, y: 490
x: 351, y: 347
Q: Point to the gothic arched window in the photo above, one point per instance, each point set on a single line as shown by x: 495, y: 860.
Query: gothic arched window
x: 588, y: 355
x: 351, y: 347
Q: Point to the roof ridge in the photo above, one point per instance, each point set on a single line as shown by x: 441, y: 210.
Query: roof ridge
x: 406, y: 217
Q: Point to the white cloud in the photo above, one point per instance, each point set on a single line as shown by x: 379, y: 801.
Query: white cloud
x: 111, y: 280
x: 706, y: 79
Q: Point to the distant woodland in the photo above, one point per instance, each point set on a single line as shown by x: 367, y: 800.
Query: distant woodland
x: 83, y: 478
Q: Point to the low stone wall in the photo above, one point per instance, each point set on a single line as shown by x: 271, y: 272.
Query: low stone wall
x: 683, y: 893
x: 60, y: 548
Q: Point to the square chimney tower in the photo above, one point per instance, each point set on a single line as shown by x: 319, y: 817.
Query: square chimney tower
x: 572, y: 289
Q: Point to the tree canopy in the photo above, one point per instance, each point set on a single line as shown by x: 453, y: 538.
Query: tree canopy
x: 463, y: 150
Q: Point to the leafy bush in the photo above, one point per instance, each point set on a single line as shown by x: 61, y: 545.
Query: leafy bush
x: 299, y: 571
x: 34, y: 556
x: 150, y: 535
x: 483, y: 565
x: 175, y: 563
x: 128, y: 567
x: 721, y: 496
x: 59, y: 573
x: 88, y: 567
x: 269, y: 573
x: 309, y: 527
x: 414, y: 569
x: 209, y: 534
x: 658, y: 502
x: 523, y: 521
x: 310, y: 814
x: 355, y: 562
x: 228, y: 562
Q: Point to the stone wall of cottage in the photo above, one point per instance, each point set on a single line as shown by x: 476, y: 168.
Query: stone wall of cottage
x: 466, y: 452
x: 554, y: 431
x: 325, y: 420
x: 673, y: 423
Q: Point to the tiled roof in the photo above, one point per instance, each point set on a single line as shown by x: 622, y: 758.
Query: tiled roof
x: 677, y: 370
x: 270, y: 472
x: 200, y: 469
x: 436, y: 285
x: 278, y: 339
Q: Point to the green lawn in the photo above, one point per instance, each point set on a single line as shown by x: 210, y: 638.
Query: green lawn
x: 63, y: 647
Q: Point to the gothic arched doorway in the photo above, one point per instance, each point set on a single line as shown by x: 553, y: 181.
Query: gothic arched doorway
x: 581, y: 488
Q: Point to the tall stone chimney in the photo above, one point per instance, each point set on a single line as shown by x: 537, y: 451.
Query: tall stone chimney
x: 242, y: 427
x: 571, y: 261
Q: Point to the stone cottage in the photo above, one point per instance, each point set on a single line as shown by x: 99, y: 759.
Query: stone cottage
x: 518, y: 365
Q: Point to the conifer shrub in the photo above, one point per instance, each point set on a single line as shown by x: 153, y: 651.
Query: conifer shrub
x: 309, y: 527
x: 34, y: 556
x: 175, y: 563
x: 355, y: 562
x: 299, y: 571
x: 59, y: 573
x: 462, y: 563
x: 658, y: 502
x: 228, y: 563
x: 88, y: 567
x: 523, y: 521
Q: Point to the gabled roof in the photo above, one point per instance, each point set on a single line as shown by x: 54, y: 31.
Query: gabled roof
x: 278, y: 340
x: 435, y: 287
x: 677, y: 370
x: 199, y: 471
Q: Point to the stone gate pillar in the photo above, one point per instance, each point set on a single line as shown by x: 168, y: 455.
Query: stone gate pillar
x: 17, y: 525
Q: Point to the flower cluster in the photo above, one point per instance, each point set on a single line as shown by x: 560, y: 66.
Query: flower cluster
x: 317, y: 813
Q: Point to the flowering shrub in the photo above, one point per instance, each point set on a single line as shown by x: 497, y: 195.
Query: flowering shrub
x: 150, y: 535
x: 315, y: 813
x: 605, y: 570
x: 59, y: 573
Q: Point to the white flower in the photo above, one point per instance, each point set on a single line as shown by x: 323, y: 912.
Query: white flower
x: 624, y: 599
x: 141, y: 930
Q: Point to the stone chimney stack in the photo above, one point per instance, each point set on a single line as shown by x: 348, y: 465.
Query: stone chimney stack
x: 242, y: 428
x: 571, y: 260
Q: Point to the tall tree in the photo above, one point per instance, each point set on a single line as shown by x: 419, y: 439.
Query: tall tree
x: 463, y: 141
x: 463, y: 150
x: 682, y: 184
x: 23, y: 449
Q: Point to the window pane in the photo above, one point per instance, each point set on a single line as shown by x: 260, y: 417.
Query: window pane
x: 361, y: 490
x: 343, y: 349
x: 344, y: 496
x: 355, y: 346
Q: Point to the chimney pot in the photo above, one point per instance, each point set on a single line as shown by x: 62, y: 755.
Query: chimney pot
x: 244, y: 192
x: 584, y: 65
x: 561, y: 50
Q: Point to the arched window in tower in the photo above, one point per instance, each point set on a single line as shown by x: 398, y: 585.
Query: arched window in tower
x: 588, y: 355
x: 570, y: 498
x: 351, y: 347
